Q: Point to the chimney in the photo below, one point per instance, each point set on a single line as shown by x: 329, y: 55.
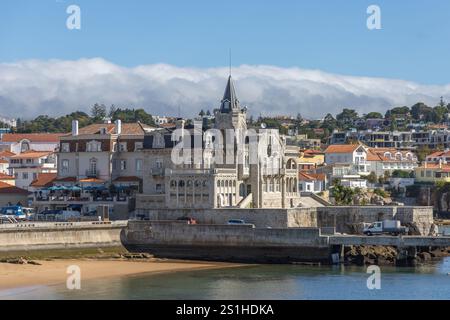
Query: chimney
x: 118, y: 124
x: 74, y: 127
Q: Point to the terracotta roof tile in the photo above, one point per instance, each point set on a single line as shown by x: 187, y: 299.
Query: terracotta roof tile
x: 6, y: 177
x: 44, y: 180
x: 342, y: 148
x: 9, y: 189
x: 32, y: 137
x: 32, y: 154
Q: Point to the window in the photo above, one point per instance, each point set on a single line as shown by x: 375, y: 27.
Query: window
x: 25, y: 146
x: 65, y: 165
x: 123, y: 147
x: 138, y: 146
x: 93, y: 166
x: 139, y: 163
x: 159, y: 163
x: 94, y: 146
x: 65, y: 147
x: 25, y: 175
x: 35, y: 176
x: 123, y: 164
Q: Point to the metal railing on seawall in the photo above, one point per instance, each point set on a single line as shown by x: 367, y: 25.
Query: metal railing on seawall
x: 63, y: 225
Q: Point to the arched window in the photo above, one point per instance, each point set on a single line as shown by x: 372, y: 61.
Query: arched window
x: 24, y: 146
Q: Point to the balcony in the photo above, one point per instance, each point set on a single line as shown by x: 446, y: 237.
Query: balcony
x: 159, y: 172
x: 92, y: 173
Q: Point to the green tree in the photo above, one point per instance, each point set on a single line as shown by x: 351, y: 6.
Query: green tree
x: 373, y: 115
x: 372, y: 177
x: 98, y: 112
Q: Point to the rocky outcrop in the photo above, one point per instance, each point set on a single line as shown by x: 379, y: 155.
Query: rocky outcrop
x: 366, y: 255
x: 380, y: 255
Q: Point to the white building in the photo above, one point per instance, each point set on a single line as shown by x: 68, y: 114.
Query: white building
x: 22, y: 142
x: 27, y: 166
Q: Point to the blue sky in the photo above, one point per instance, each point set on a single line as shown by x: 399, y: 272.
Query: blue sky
x: 327, y: 35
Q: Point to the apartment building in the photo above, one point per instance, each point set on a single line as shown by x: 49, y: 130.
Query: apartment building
x: 384, y: 160
x: 98, y: 164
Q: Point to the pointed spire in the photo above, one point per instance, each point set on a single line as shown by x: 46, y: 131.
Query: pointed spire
x: 229, y: 101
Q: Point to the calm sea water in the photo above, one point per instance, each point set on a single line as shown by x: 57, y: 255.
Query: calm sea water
x: 261, y: 282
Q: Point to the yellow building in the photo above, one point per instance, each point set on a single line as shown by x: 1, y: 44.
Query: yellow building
x: 432, y: 173
x: 310, y: 159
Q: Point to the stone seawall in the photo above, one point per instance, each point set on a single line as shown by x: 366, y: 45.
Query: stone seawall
x: 54, y: 235
x: 344, y: 219
x: 349, y: 219
x: 171, y: 239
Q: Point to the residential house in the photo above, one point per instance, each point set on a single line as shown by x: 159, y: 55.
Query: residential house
x: 312, y: 182
x: 432, y: 173
x: 26, y: 166
x: 348, y: 163
x: 310, y: 159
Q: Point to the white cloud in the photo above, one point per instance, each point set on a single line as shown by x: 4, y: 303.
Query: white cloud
x: 55, y: 87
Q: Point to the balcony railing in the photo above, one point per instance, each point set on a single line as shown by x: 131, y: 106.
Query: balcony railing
x: 92, y: 173
x: 157, y: 171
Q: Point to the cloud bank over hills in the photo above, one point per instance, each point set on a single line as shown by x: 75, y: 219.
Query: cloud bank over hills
x: 56, y: 87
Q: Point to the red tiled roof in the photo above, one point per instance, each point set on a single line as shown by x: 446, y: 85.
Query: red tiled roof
x: 342, y: 148
x: 32, y: 137
x: 6, y: 177
x: 378, y: 154
x: 6, y: 154
x: 44, y: 180
x: 31, y: 154
x: 4, y: 161
x: 312, y: 152
x: 442, y: 167
x: 304, y: 176
x: 9, y: 189
x: 439, y: 154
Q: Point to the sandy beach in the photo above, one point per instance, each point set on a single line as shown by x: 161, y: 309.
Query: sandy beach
x: 55, y: 272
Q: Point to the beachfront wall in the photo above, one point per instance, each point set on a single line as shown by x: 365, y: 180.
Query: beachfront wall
x: 344, y: 219
x: 241, y: 243
x: 66, y: 235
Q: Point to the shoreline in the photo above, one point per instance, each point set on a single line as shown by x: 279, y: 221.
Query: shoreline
x: 54, y: 272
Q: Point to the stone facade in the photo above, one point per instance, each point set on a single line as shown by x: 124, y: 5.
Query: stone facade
x: 205, y: 183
